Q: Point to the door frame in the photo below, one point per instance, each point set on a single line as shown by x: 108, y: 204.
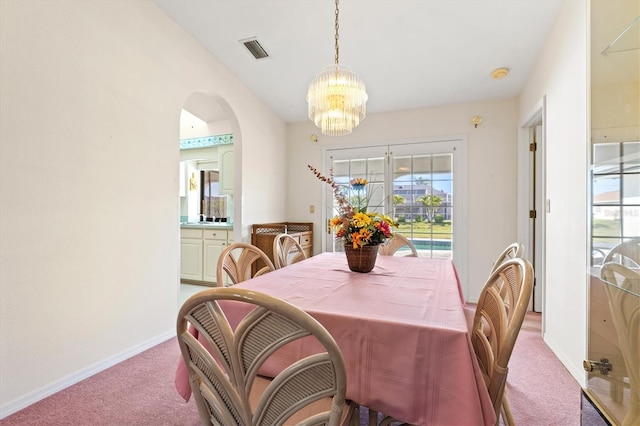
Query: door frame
x: 537, y: 117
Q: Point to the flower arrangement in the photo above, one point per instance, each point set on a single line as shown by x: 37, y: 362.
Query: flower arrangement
x: 353, y: 224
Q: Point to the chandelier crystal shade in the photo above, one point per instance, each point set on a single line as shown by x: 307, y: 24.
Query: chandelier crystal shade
x: 337, y: 100
x: 337, y: 97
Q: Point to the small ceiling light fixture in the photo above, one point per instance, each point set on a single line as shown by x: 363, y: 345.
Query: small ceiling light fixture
x: 337, y: 97
x: 499, y: 73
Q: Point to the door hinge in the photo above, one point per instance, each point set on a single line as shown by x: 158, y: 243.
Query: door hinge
x: 532, y: 214
x: 533, y: 147
x: 604, y: 366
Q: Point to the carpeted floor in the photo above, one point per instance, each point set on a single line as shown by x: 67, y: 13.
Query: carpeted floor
x: 541, y: 390
x: 140, y: 391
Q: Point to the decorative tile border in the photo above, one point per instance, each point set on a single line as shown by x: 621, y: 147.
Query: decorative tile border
x: 206, y: 141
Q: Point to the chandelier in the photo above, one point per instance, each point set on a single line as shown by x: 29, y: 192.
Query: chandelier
x: 337, y: 97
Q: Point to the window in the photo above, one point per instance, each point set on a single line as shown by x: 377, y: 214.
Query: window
x: 423, y: 201
x: 615, y: 199
x: 212, y: 204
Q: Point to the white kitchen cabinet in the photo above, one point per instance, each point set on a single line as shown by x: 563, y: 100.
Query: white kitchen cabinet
x: 214, y: 241
x: 191, y: 254
x: 226, y: 161
x: 200, y: 249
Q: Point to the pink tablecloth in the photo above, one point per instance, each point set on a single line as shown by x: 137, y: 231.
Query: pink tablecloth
x: 401, y: 330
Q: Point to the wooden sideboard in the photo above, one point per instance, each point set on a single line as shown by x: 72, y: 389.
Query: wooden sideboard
x: 263, y: 234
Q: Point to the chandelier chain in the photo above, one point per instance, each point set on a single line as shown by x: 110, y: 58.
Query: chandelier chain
x: 337, y: 37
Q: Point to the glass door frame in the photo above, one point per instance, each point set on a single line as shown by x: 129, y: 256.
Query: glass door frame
x: 457, y: 145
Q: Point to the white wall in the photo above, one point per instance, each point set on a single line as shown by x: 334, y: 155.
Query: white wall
x: 491, y: 182
x: 91, y: 94
x: 561, y: 76
x: 190, y: 128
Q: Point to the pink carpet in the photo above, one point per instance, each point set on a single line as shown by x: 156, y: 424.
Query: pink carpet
x: 106, y: 398
x: 541, y: 391
x: 540, y: 388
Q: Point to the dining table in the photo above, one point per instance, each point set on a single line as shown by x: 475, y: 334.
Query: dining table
x: 401, y: 329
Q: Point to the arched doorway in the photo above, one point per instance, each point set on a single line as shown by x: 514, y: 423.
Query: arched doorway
x: 209, y: 187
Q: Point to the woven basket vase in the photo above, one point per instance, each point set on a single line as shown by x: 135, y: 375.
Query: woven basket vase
x: 361, y: 259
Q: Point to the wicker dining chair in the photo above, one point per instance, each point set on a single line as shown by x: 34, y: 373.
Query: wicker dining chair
x: 224, y: 374
x: 501, y: 307
x: 395, y: 243
x: 286, y: 251
x: 513, y: 250
x: 237, y: 263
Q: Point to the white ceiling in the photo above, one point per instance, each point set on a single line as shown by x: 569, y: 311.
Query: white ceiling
x: 410, y: 53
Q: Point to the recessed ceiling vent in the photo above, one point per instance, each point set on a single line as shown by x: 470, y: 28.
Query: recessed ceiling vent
x: 256, y: 49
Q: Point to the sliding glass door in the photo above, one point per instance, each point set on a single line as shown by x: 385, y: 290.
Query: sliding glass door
x: 414, y: 183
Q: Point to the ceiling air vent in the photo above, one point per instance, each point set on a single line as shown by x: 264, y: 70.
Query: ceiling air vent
x: 256, y: 49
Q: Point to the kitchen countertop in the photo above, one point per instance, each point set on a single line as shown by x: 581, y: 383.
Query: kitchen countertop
x: 207, y: 225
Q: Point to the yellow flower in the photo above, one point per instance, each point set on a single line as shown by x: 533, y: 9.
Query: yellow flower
x: 388, y: 219
x: 358, y: 182
x: 361, y: 220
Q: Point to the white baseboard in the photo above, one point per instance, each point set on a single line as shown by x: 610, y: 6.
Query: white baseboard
x: 39, y: 394
x: 577, y: 372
